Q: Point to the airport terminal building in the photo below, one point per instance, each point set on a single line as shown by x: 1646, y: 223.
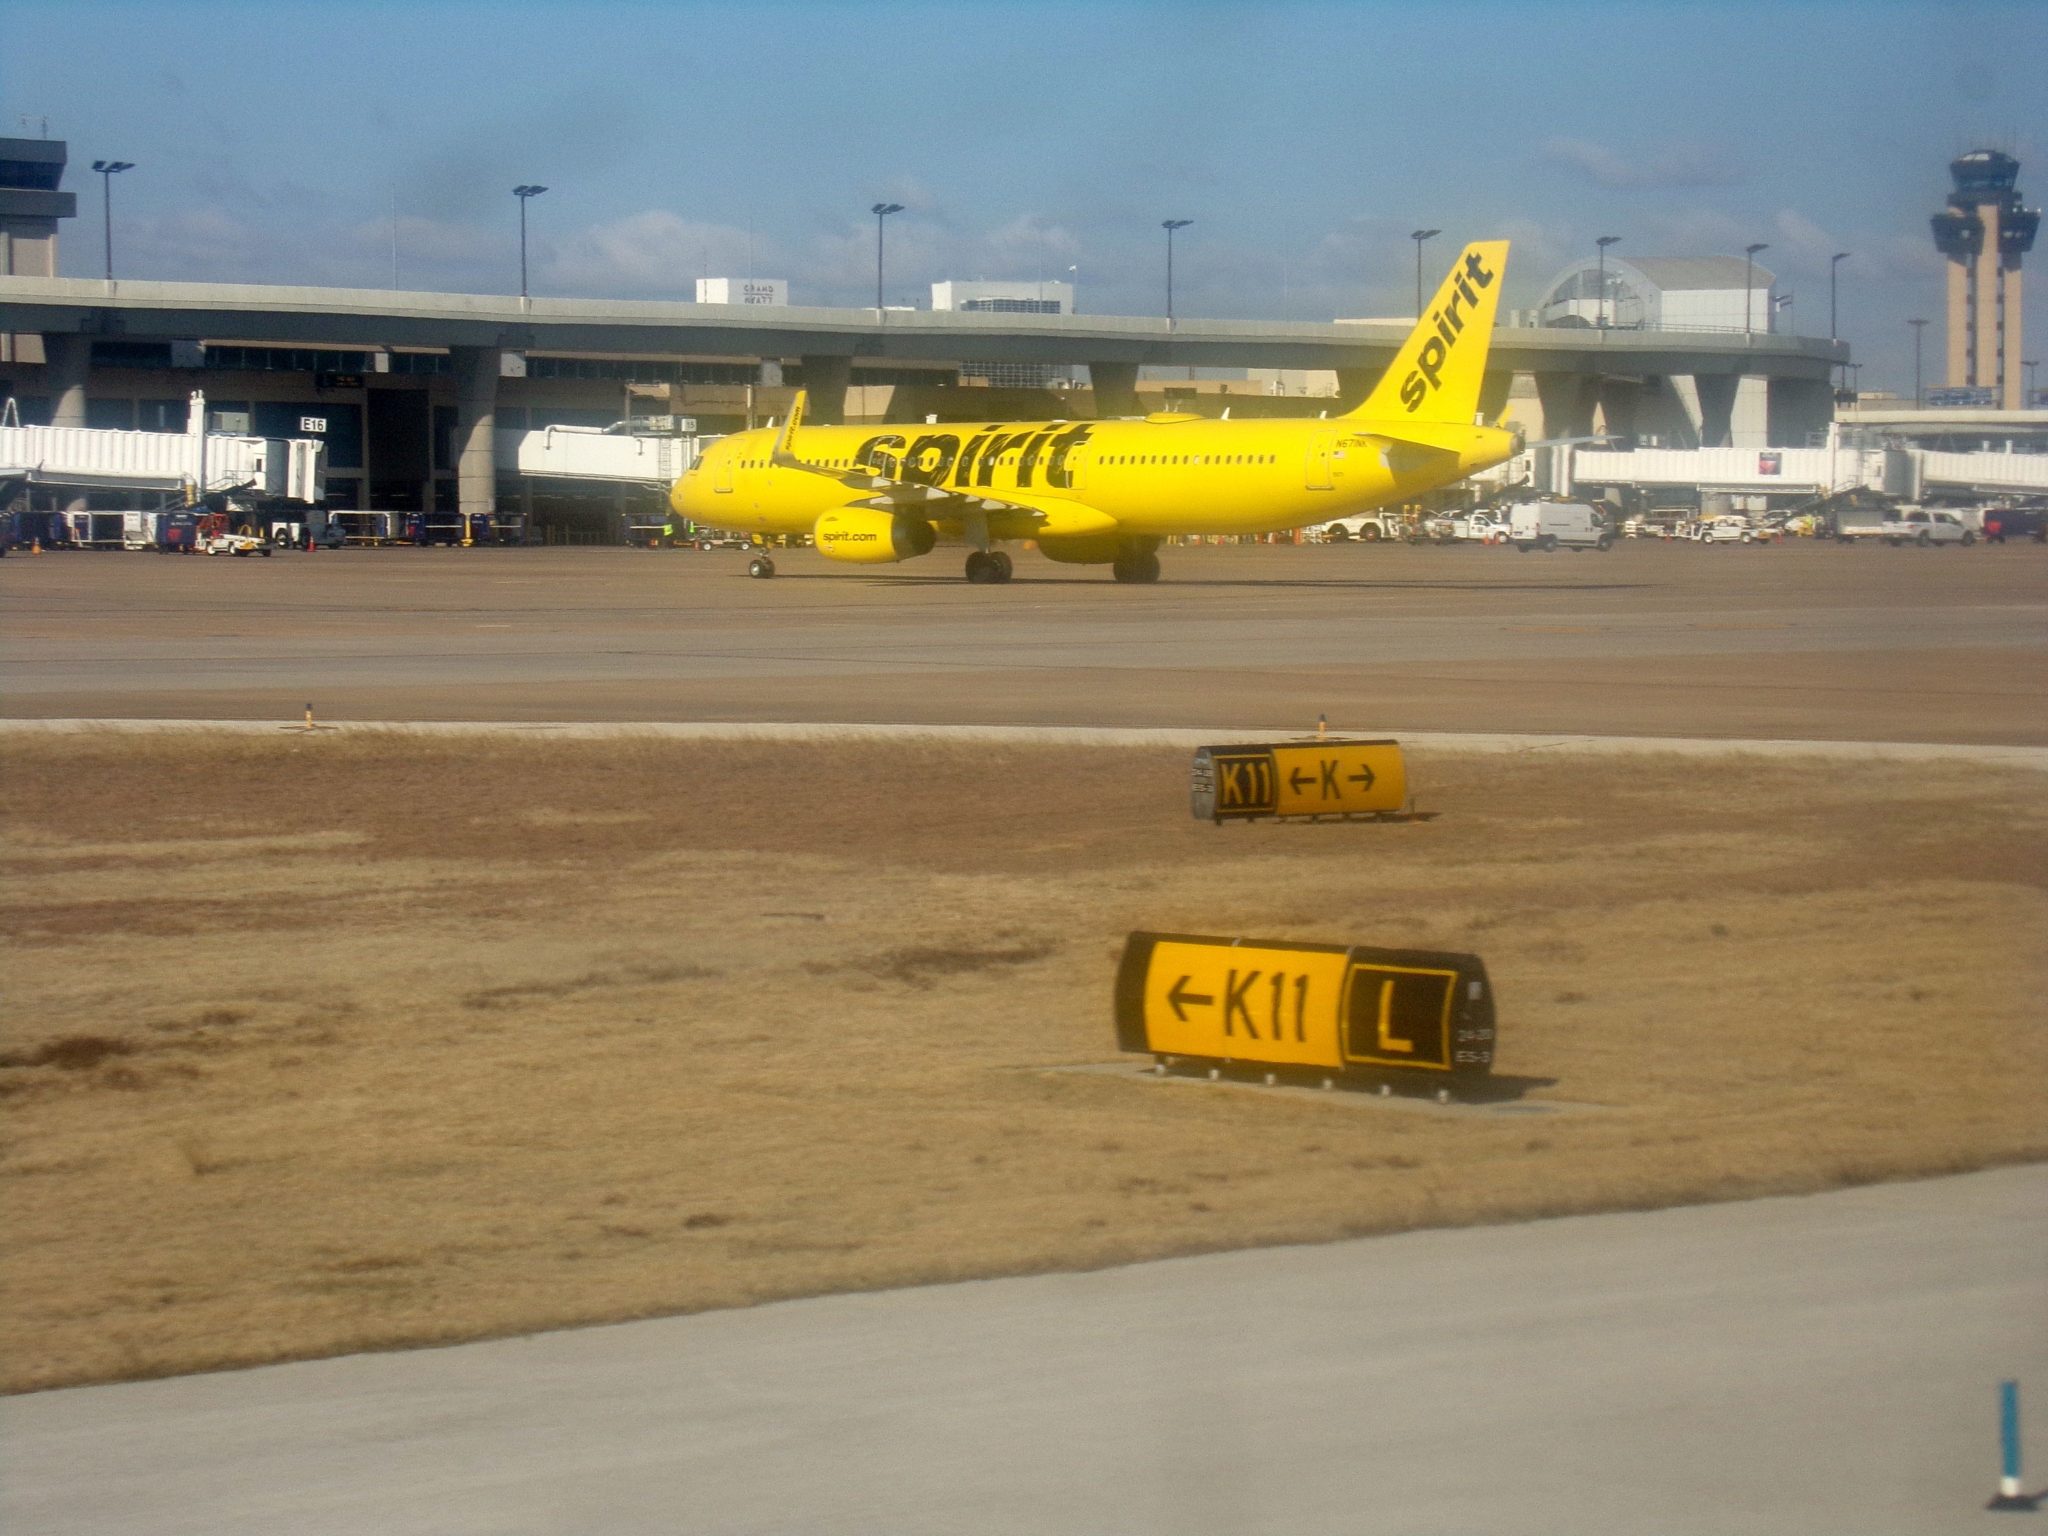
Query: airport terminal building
x: 413, y: 393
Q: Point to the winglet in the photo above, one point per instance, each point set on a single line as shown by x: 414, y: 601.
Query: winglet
x: 1435, y: 377
x: 795, y: 419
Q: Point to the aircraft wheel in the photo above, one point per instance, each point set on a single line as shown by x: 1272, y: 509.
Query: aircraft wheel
x: 1136, y: 567
x: 1000, y: 564
x: 981, y: 567
x: 760, y: 567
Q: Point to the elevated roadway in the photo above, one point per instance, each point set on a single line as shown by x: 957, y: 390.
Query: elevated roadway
x: 351, y: 317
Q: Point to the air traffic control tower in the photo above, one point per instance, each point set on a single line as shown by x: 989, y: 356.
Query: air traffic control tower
x: 30, y: 206
x: 1984, y: 232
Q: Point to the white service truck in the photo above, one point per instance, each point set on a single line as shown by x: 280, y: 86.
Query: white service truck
x: 1557, y: 525
x: 1916, y: 525
x: 1366, y: 527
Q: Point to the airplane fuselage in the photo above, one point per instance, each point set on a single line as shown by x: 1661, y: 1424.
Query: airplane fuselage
x: 1153, y: 477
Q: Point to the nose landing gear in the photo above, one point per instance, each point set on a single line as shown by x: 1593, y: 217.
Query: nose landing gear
x: 760, y: 567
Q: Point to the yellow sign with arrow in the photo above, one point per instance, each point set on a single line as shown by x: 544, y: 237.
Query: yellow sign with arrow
x: 1314, y: 779
x: 1326, y: 1006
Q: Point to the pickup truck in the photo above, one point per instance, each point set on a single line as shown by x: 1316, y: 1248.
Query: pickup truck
x: 1367, y: 527
x: 1917, y: 526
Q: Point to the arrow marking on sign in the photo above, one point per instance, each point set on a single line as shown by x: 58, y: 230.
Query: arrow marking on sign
x: 1363, y: 777
x: 1294, y: 780
x: 1179, y: 995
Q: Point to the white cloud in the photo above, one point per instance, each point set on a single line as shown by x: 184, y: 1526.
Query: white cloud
x: 1674, y: 165
x: 655, y: 253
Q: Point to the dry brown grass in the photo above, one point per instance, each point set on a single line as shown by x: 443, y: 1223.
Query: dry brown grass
x: 317, y: 1045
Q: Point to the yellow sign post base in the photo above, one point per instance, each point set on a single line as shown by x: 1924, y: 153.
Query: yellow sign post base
x: 1323, y: 1009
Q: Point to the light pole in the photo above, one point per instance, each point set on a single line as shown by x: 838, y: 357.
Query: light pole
x: 1918, y: 327
x: 1749, y: 280
x: 1603, y: 242
x: 2030, y: 366
x: 1834, y: 262
x: 1418, y: 236
x: 881, y: 211
x: 1075, y: 273
x: 107, y: 170
x: 1170, y: 225
x: 523, y: 193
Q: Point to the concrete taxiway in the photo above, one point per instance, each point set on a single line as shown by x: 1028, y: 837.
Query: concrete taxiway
x: 1826, y: 1363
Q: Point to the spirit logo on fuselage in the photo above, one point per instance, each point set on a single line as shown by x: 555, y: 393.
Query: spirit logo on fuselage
x: 1423, y: 378
x: 942, y: 459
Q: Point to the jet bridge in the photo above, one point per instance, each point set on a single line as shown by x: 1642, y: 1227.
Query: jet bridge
x: 193, y: 462
x: 649, y: 451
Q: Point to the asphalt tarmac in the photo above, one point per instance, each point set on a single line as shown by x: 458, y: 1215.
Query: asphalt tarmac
x: 1794, y: 1366
x: 1794, y: 641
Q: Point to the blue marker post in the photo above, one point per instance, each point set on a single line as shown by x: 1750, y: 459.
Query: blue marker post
x: 2009, y: 1495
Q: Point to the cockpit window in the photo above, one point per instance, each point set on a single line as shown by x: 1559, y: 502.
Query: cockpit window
x: 696, y: 464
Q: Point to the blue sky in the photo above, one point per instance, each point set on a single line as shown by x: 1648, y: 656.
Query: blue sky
x: 273, y: 141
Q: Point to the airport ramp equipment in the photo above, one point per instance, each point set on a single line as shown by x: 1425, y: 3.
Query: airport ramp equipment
x: 103, y: 459
x: 600, y: 453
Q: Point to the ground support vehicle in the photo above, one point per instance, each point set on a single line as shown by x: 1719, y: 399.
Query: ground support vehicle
x: 215, y: 537
x: 1366, y: 528
x: 2002, y: 523
x: 1729, y: 530
x: 1557, y: 525
x: 1916, y: 525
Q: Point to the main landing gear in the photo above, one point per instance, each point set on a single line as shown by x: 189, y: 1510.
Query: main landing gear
x: 1139, y: 566
x: 988, y: 567
x: 760, y: 567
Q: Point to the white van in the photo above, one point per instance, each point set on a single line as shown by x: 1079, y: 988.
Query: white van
x: 1551, y: 524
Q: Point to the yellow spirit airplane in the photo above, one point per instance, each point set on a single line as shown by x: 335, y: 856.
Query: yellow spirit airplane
x: 1107, y: 492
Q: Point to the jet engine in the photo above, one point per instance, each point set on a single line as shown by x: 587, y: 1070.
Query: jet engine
x: 865, y: 537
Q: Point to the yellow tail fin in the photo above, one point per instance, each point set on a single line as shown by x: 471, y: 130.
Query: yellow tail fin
x: 1435, y: 376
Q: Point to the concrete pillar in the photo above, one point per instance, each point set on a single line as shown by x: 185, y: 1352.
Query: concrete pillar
x: 1568, y: 400
x: 68, y: 358
x: 826, y: 380
x: 1353, y: 385
x: 1749, y: 420
x: 476, y: 423
x: 1116, y: 389
x: 1800, y: 411
x: 1716, y: 392
x: 1619, y: 400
